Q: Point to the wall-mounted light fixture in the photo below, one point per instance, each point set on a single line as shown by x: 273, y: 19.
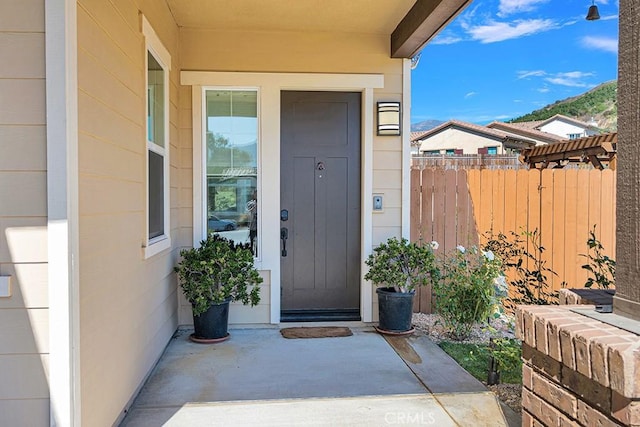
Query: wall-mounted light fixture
x: 593, y: 14
x: 389, y: 118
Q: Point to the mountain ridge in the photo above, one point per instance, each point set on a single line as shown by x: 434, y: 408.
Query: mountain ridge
x: 599, y: 103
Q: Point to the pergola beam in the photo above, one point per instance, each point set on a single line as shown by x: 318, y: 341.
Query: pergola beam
x: 425, y: 19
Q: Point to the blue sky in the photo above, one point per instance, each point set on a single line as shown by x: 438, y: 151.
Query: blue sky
x: 501, y: 59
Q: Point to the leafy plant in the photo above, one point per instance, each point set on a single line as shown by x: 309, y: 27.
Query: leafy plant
x: 466, y: 293
x: 527, y: 271
x: 507, y: 352
x: 601, y: 268
x: 402, y: 264
x: 217, y: 271
x: 474, y: 358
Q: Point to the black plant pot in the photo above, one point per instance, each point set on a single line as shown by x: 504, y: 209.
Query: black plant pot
x: 394, y: 310
x: 213, y: 324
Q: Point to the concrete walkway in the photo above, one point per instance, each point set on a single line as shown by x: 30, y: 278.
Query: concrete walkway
x: 260, y: 378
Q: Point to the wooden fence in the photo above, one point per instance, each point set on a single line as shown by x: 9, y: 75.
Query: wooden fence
x: 458, y: 207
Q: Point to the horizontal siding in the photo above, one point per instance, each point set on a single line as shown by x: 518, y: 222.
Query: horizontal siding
x: 23, y: 148
x: 25, y: 412
x: 23, y: 376
x: 28, y: 285
x: 24, y: 326
x: 128, y: 308
x: 24, y: 331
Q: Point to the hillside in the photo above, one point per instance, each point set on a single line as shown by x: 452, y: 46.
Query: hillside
x: 599, y: 103
x: 425, y: 125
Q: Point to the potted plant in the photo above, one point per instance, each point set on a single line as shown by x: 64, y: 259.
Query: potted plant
x: 213, y: 275
x: 398, y: 267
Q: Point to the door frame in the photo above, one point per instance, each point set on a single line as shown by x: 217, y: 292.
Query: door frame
x: 270, y: 85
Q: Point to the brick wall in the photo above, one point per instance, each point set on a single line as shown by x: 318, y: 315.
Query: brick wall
x: 577, y: 371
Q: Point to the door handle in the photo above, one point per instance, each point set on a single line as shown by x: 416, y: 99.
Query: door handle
x: 284, y: 235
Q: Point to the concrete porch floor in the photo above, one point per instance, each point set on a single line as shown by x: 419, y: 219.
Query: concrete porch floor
x: 260, y: 378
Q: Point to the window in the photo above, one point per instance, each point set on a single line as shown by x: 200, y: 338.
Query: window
x: 157, y: 156
x: 450, y: 152
x: 575, y: 135
x: 492, y: 150
x: 231, y: 168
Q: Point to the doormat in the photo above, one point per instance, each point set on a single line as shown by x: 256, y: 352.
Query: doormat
x: 316, y: 332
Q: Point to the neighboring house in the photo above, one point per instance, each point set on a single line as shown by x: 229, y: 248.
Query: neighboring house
x: 125, y: 125
x: 415, y: 138
x: 567, y: 127
x: 457, y: 137
x: 524, y: 130
x: 558, y: 125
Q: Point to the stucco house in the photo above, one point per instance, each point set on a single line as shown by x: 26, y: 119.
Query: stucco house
x: 458, y: 137
x: 129, y: 129
x: 558, y: 125
x: 525, y: 130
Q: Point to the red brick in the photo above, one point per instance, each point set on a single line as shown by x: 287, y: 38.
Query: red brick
x: 555, y: 395
x: 553, y: 335
x: 582, y: 342
x: 529, y: 331
x: 593, y: 393
x: 598, y: 349
x: 527, y: 374
x: 567, y: 346
x: 527, y: 419
x: 566, y: 297
x: 591, y: 417
x: 541, y: 362
x: 519, y: 324
x: 624, y: 369
x: 625, y: 410
x: 547, y: 414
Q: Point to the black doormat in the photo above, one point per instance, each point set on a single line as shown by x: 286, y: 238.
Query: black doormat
x: 316, y: 332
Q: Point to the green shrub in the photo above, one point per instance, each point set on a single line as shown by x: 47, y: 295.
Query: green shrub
x: 601, y: 268
x: 402, y: 265
x: 216, y: 271
x: 466, y: 294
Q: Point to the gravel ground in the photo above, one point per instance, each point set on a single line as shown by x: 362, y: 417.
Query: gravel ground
x: 431, y: 325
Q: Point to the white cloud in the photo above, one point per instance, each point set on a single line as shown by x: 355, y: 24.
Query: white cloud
x: 508, y: 7
x: 500, y: 31
x: 446, y: 40
x: 571, y: 79
x: 470, y: 94
x: 527, y: 74
x: 607, y: 44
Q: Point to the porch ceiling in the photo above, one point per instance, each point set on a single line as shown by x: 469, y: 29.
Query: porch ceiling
x: 345, y: 16
x: 410, y: 24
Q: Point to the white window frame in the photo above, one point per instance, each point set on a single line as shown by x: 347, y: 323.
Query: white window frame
x: 154, y: 46
x: 202, y: 229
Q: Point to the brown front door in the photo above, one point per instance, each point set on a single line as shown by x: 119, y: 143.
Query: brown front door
x: 320, y: 203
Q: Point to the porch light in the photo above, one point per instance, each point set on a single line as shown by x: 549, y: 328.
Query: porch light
x: 388, y: 118
x: 593, y: 14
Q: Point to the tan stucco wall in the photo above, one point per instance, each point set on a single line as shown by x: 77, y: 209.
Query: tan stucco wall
x: 628, y: 200
x: 453, y: 138
x: 128, y: 305
x: 210, y: 50
x: 24, y: 337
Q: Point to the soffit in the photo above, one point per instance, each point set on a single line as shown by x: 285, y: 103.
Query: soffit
x: 345, y: 16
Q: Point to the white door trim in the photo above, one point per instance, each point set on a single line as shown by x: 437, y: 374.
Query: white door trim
x: 271, y: 84
x: 61, y: 50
